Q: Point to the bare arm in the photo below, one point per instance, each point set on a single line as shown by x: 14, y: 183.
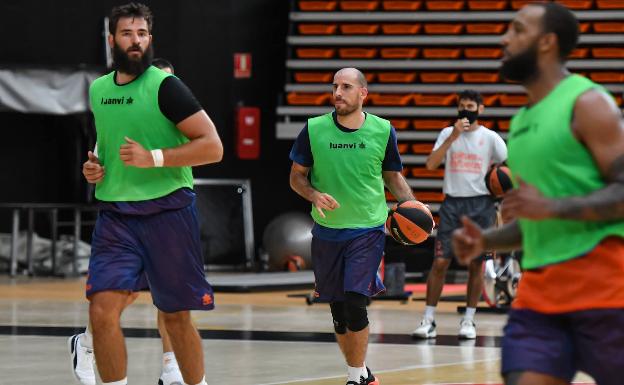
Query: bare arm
x: 505, y: 238
x: 396, y: 183
x: 204, y: 146
x: 437, y: 156
x: 598, y: 125
x: 470, y: 241
x: 301, y: 185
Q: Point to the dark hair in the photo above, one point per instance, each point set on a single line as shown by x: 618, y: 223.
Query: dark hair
x: 134, y: 10
x: 473, y: 95
x: 561, y: 21
x: 162, y: 63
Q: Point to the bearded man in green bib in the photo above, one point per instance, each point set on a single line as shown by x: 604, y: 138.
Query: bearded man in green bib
x: 566, y: 152
x: 150, y: 131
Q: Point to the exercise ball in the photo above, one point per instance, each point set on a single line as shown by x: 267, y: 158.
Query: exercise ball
x: 287, y: 240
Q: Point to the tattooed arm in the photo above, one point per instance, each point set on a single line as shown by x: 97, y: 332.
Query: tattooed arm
x: 598, y: 125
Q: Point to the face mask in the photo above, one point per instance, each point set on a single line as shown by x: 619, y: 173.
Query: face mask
x: 470, y: 115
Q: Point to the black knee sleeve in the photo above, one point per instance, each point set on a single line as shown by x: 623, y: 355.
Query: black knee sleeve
x: 338, y: 314
x: 355, y: 311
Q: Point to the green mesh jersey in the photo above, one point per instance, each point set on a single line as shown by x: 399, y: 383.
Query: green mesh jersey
x: 132, y: 110
x: 544, y: 153
x: 348, y: 166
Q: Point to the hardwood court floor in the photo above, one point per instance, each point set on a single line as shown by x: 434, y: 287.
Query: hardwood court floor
x: 250, y: 338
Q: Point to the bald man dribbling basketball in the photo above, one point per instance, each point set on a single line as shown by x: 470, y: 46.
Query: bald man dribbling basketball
x: 349, y: 155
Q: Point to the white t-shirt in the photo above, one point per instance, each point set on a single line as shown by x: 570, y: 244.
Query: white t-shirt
x: 468, y: 160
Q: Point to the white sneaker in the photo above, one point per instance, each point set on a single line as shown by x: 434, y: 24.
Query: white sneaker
x: 427, y: 329
x: 467, y: 329
x: 82, y: 361
x: 172, y: 377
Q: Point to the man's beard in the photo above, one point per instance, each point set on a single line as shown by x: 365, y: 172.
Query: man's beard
x: 522, y: 67
x: 123, y: 63
x: 345, y: 109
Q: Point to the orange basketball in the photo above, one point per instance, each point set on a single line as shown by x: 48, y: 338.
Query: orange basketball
x: 410, y: 223
x: 498, y: 180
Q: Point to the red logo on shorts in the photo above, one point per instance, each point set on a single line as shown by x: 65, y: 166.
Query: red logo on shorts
x: 207, y: 299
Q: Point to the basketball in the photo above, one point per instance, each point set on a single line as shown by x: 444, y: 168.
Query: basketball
x: 410, y: 223
x: 498, y: 180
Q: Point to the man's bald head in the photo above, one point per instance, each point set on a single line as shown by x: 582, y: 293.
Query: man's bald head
x: 354, y: 74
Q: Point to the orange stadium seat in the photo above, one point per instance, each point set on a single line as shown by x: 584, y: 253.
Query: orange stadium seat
x: 313, y: 77
x: 396, y: 77
x: 400, y: 124
x: 318, y: 6
x: 399, y: 53
x: 419, y: 172
x: 304, y: 98
x: 401, y: 5
x: 422, y: 148
x: 487, y: 123
x: 517, y: 4
x: 439, y: 77
x: 490, y: 100
x: 610, y: 4
x: 576, y: 4
x: 584, y: 27
x: 359, y: 29
x: 441, y: 53
x: 607, y: 77
x: 316, y: 53
x: 434, y: 100
x: 513, y: 100
x: 359, y: 5
x: 400, y: 29
x: 618, y: 100
x: 430, y: 124
x: 370, y: 77
x: 485, y: 28
x: 438, y: 5
x: 444, y: 29
x: 503, y: 125
x: 608, y: 53
x: 608, y: 27
x: 476, y: 5
x: 403, y: 147
x: 579, y: 53
x: 391, y: 99
x: 429, y: 196
x: 357, y: 53
x: 317, y: 29
x: 483, y: 53
x: 480, y: 77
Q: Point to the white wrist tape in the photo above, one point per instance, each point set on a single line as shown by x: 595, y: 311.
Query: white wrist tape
x: 159, y: 158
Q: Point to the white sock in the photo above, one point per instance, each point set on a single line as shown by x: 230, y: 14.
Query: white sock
x: 203, y: 382
x: 169, y: 362
x: 86, y: 339
x: 120, y: 382
x: 430, y: 312
x: 470, y: 312
x: 354, y: 374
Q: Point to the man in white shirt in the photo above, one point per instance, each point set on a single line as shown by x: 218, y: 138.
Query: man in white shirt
x: 467, y: 149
